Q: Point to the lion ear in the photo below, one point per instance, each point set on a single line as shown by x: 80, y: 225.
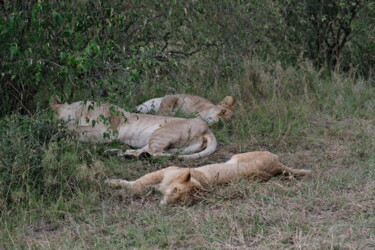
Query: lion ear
x: 55, y: 102
x: 227, y: 102
x: 185, y: 176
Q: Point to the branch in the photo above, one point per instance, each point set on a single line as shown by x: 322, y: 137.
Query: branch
x: 20, y: 94
x: 160, y: 56
x: 131, y: 32
x: 329, y: 31
x: 53, y: 63
x: 165, y: 38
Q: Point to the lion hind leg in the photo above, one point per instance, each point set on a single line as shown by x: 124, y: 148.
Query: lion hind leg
x: 287, y: 171
x: 168, y: 105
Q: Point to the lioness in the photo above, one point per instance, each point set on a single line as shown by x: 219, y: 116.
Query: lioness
x: 190, y: 104
x: 151, y: 134
x: 180, y: 184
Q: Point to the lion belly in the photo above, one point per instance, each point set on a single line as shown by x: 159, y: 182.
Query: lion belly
x: 137, y: 135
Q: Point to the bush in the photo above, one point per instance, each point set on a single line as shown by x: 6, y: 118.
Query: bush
x: 87, y: 49
x: 330, y: 32
x: 119, y: 51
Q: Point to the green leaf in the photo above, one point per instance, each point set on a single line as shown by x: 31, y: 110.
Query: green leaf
x: 13, y: 50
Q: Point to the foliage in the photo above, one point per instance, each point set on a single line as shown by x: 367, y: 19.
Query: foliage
x: 325, y: 28
x: 115, y: 50
x: 101, y: 47
x: 60, y: 47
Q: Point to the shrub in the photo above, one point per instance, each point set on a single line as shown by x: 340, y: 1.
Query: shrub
x: 326, y: 28
x: 119, y: 51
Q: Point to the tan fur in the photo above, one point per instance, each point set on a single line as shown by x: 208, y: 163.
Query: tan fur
x: 189, y: 104
x: 151, y: 134
x: 180, y: 184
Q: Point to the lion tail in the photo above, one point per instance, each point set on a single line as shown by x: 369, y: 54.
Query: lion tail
x: 295, y: 172
x: 210, y: 148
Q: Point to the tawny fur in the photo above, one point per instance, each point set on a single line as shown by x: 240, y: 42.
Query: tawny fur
x: 151, y: 134
x: 190, y: 105
x: 180, y: 184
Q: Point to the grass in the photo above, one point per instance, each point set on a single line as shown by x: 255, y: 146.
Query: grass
x: 313, y: 121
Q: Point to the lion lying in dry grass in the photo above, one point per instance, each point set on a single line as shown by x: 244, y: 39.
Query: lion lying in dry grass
x: 180, y: 184
x: 189, y: 104
x: 151, y: 134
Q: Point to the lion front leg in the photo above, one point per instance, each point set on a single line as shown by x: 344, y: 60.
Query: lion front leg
x: 135, y: 153
x: 137, y: 186
x: 119, y: 183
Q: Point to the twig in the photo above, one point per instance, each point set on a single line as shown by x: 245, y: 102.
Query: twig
x: 56, y: 64
x: 161, y: 55
x: 22, y: 105
x: 165, y: 38
x: 171, y: 52
x: 142, y: 25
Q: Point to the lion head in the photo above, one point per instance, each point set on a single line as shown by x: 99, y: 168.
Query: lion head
x: 181, y: 190
x: 222, y: 111
x: 218, y: 113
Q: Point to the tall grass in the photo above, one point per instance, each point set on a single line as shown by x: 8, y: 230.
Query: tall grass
x: 41, y: 165
x: 52, y: 192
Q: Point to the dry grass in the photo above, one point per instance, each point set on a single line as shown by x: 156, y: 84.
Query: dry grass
x: 330, y: 131
x: 332, y: 209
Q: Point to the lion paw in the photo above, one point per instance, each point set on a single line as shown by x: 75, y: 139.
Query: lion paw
x: 116, y: 183
x: 113, y: 152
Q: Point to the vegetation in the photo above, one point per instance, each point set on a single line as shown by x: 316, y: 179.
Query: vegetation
x: 302, y: 74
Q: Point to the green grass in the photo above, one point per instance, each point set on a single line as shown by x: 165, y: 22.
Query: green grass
x: 53, y: 195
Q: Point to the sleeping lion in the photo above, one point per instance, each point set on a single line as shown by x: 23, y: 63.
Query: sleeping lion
x: 190, y: 104
x: 150, y: 134
x: 181, y: 184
